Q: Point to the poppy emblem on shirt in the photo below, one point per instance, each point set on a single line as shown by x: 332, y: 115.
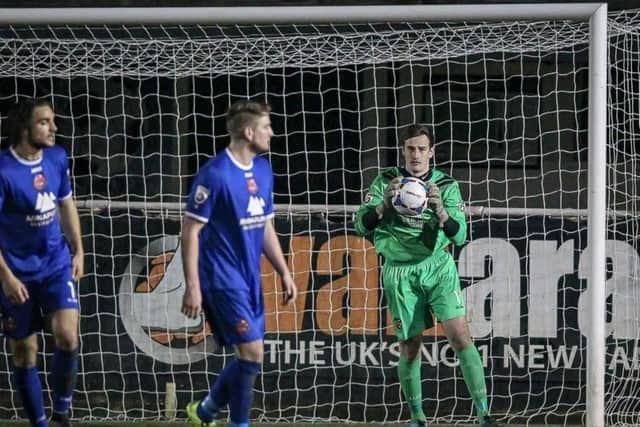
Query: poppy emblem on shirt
x: 252, y: 186
x: 242, y: 327
x: 39, y: 181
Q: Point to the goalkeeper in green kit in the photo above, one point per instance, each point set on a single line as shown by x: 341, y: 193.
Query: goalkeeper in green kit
x: 419, y: 274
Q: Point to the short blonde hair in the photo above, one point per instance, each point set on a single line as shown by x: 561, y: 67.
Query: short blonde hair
x: 242, y: 114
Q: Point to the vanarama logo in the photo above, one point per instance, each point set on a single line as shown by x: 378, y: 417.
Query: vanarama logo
x: 150, y: 300
x: 256, y: 206
x: 45, y: 202
x: 46, y: 205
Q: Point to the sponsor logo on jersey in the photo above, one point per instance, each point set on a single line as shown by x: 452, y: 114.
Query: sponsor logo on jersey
x: 202, y: 194
x: 39, y: 181
x: 45, y: 202
x: 256, y: 206
x: 253, y: 222
x: 150, y: 302
x: 256, y: 217
x: 252, y: 186
x: 413, y: 222
x: 46, y: 205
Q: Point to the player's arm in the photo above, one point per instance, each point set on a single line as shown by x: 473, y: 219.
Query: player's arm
x: 69, y: 219
x: 376, y: 202
x: 273, y: 251
x: 70, y: 223
x: 200, y: 208
x: 454, y: 206
x: 192, y: 298
x: 12, y: 287
x: 447, y: 205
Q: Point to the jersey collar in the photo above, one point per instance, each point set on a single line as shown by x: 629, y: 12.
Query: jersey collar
x: 237, y: 163
x: 426, y: 177
x: 25, y: 161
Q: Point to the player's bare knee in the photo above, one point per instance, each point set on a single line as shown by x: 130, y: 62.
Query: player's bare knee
x: 252, y: 352
x: 411, y: 347
x: 66, y: 340
x: 460, y: 340
x: 24, y: 352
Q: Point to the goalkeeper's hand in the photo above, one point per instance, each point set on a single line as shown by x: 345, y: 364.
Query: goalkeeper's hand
x: 435, y: 203
x: 391, y: 189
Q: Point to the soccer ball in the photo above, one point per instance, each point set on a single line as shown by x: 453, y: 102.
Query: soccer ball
x: 411, y: 197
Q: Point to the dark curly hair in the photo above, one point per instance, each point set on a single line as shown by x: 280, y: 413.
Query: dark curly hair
x: 19, y: 117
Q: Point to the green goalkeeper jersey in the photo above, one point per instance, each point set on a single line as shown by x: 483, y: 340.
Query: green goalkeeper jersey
x: 409, y: 240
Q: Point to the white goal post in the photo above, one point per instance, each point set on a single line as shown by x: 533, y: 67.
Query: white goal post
x: 594, y: 13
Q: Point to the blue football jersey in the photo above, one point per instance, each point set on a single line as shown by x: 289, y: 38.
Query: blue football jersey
x: 31, y: 238
x: 234, y: 201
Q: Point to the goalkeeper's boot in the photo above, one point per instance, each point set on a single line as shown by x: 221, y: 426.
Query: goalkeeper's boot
x: 417, y: 424
x: 487, y: 421
x: 194, y: 418
x: 60, y: 419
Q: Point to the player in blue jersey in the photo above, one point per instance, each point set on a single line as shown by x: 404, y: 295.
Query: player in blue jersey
x: 227, y: 226
x: 38, y: 270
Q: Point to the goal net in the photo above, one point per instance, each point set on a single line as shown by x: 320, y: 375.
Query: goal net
x: 141, y: 108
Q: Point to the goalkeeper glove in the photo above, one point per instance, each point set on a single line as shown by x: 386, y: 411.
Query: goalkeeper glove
x: 435, y: 203
x: 392, y: 188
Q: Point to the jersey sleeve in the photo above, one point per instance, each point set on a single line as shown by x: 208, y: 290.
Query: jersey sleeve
x: 64, y: 192
x: 2, y: 190
x: 452, y: 201
x: 374, y: 196
x: 202, y: 196
x: 268, y: 209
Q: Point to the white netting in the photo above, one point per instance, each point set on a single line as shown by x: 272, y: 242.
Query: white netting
x: 141, y: 108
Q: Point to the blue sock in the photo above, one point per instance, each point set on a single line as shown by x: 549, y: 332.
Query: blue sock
x: 64, y: 366
x: 29, y: 386
x: 219, y: 394
x: 241, y: 396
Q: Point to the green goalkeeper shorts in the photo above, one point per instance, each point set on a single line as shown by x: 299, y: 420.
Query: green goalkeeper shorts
x: 417, y: 292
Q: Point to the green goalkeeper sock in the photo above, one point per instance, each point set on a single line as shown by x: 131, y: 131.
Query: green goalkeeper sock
x: 409, y: 375
x: 473, y: 374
